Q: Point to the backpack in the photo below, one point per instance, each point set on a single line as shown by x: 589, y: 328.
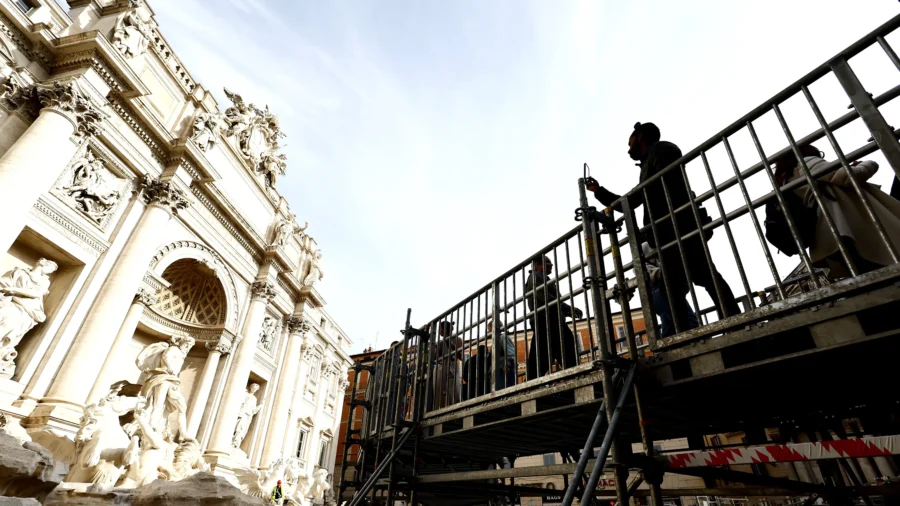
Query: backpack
x: 778, y: 233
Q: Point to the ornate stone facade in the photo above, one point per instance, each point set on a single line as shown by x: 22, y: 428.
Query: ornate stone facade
x: 119, y: 298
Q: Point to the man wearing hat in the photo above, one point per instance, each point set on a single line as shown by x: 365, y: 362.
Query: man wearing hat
x: 644, y: 146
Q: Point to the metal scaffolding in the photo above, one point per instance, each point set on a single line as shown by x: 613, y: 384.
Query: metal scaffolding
x: 535, y: 363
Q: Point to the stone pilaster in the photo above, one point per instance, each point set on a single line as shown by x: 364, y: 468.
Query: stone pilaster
x: 195, y: 411
x: 31, y: 165
x: 102, y: 324
x: 261, y: 293
x: 110, y: 367
x: 284, y: 392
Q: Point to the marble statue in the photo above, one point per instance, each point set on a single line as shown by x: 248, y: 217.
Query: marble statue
x: 271, y: 166
x: 315, y: 271
x: 22, y: 292
x: 257, y: 132
x: 166, y: 406
x: 207, y: 127
x: 286, y: 229
x: 97, y: 454
x: 90, y: 188
x: 294, y: 483
x: 131, y: 36
x: 107, y: 454
x: 320, y: 486
x: 249, y: 409
x: 269, y: 333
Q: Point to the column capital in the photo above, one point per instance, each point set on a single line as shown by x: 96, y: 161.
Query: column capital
x: 16, y: 94
x: 220, y: 346
x: 296, y: 325
x: 145, y: 298
x: 66, y: 98
x: 262, y: 290
x: 163, y: 194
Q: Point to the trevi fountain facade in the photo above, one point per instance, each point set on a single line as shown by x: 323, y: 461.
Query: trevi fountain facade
x: 160, y: 319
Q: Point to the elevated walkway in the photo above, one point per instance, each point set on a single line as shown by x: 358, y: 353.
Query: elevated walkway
x: 810, y: 359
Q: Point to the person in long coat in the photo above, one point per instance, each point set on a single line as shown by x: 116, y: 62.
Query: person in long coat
x: 853, y: 224
x: 552, y: 340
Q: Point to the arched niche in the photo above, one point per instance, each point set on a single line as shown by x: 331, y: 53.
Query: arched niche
x: 185, y: 261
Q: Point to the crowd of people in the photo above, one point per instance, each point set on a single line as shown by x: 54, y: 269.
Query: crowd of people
x: 460, y: 371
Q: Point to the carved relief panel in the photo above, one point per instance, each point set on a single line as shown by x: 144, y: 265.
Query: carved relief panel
x: 93, y: 186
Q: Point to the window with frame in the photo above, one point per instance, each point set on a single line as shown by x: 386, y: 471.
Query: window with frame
x: 620, y: 335
x: 25, y: 5
x: 302, y: 436
x: 323, y: 452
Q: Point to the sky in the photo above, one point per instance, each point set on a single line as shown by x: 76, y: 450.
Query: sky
x: 433, y: 145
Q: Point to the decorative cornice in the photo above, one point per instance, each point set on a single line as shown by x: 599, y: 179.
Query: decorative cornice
x: 91, y: 58
x: 118, y: 104
x: 145, y: 298
x: 67, y: 226
x: 163, y: 194
x: 34, y: 51
x: 165, y: 53
x: 220, y: 216
x: 262, y: 290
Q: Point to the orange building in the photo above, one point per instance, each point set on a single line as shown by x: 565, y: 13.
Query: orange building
x: 365, y: 357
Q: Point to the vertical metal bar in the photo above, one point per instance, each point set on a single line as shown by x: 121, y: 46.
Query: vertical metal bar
x: 624, y: 299
x: 546, y: 279
x: 868, y: 111
x: 504, y: 335
x: 349, y: 431
x: 610, y: 440
x: 728, y: 232
x: 592, y: 247
x: 432, y: 361
x: 525, y: 312
x: 495, y: 336
x: 670, y: 298
x: 637, y: 260
x: 587, y: 303
x: 396, y: 422
x: 824, y: 212
x: 578, y: 342
x: 712, y: 269
x: 560, y: 317
x: 752, y: 212
x: 681, y: 251
x: 857, y: 187
x: 776, y: 187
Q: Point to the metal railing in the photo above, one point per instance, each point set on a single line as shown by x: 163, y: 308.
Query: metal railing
x: 560, y: 308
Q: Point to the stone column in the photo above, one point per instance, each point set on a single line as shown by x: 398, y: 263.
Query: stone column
x: 97, y: 333
x: 284, y: 392
x: 204, y: 387
x: 107, y: 374
x: 37, y: 158
x: 236, y: 385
